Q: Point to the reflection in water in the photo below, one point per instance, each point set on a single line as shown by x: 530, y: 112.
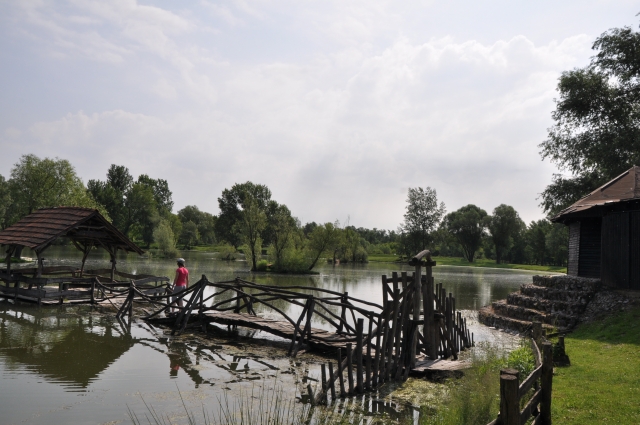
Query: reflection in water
x: 68, y: 349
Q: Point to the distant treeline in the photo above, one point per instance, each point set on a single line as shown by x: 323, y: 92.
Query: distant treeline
x: 249, y: 220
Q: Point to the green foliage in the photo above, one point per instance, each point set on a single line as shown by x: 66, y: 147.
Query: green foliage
x: 467, y: 225
x: 227, y: 252
x: 253, y: 222
x: 5, y: 202
x: 522, y: 360
x: 232, y: 203
x: 141, y: 212
x: 204, y: 221
x: 504, y: 225
x: 596, y: 135
x: 262, y: 265
x: 422, y: 216
x: 282, y: 228
x: 163, y: 236
x: 189, y: 234
x: 473, y: 399
x: 321, y: 240
x: 39, y: 183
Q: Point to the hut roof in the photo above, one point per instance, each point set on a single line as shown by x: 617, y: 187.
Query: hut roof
x: 625, y: 187
x: 82, y: 225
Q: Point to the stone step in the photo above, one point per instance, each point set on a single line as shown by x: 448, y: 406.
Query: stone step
x: 559, y: 320
x: 568, y: 283
x: 489, y: 317
x: 582, y: 297
x: 546, y: 306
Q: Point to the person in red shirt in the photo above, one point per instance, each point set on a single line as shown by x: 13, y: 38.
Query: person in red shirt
x: 180, y: 282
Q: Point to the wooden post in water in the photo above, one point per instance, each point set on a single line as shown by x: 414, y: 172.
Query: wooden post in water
x: 369, y: 344
x: 417, y: 292
x: 359, y: 348
x: 340, y: 374
x: 332, y: 382
x: 350, y: 368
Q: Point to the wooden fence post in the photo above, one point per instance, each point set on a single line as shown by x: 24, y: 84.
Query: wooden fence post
x: 509, y: 402
x: 537, y: 331
x: 546, y: 383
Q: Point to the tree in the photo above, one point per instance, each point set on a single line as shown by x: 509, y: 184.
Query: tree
x: 503, y: 226
x: 161, y: 193
x: 596, y: 134
x: 203, y: 220
x: 39, y: 183
x: 141, y: 212
x: 5, y: 202
x: 232, y: 203
x: 189, y: 235
x: 421, y: 219
x: 467, y: 225
x: 321, y: 239
x: 163, y: 236
x: 283, y: 228
x: 537, y: 240
x: 119, y: 178
x: 250, y: 227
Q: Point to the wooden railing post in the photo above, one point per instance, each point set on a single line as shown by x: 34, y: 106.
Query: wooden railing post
x: 536, y: 331
x: 509, y: 402
x: 546, y: 384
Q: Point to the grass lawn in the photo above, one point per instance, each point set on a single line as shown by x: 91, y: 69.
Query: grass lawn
x: 457, y: 261
x: 602, y: 385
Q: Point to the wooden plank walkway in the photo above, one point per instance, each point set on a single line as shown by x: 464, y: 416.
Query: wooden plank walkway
x: 320, y: 339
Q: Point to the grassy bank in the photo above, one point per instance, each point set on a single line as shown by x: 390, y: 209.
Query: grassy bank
x: 457, y: 261
x: 602, y: 385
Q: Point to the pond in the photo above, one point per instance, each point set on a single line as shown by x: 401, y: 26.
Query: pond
x: 77, y: 365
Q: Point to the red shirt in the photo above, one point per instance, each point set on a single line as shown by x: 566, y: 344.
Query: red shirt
x: 181, y: 276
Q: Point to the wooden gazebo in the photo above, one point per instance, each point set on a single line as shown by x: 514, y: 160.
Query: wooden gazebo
x: 86, y: 228
x: 604, y: 232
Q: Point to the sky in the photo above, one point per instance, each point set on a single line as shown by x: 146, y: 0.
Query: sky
x: 337, y: 106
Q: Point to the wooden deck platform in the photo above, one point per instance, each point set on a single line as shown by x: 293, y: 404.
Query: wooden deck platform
x: 320, y: 339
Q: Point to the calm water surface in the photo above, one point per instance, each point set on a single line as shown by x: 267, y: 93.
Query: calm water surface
x: 77, y: 365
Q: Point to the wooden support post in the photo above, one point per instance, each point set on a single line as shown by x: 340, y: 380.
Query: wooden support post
x: 417, y: 301
x: 113, y: 265
x: 332, y: 382
x: 323, y: 376
x: 546, y: 384
x: 376, y: 363
x: 369, y: 360
x: 392, y: 330
x: 509, y: 402
x: 343, y: 314
x: 359, y: 348
x: 93, y: 289
x: 430, y: 324
x: 350, y: 368
x: 340, y: 374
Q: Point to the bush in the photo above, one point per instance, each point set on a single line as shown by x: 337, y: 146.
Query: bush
x: 261, y: 265
x: 227, y: 252
x: 522, y: 360
x: 163, y: 235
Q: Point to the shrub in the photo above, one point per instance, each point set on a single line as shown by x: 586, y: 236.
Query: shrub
x: 261, y: 265
x: 163, y: 235
x: 227, y: 252
x: 522, y: 360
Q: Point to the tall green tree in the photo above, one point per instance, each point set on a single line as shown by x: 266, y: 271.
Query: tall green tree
x: 253, y: 222
x: 161, y: 193
x: 232, y: 203
x: 203, y: 220
x: 141, y: 212
x: 421, y: 219
x: 596, y: 131
x: 504, y: 225
x: 467, y: 225
x: 38, y: 183
x: 321, y: 239
x: 283, y: 227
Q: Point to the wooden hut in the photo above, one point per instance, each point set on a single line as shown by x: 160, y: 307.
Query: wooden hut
x: 604, y: 232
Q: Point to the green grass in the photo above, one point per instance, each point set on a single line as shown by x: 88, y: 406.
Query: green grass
x: 457, y: 261
x: 602, y: 385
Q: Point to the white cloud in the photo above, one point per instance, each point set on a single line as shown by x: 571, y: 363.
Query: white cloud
x: 342, y: 131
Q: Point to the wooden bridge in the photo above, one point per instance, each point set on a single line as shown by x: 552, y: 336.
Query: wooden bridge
x: 416, y: 328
